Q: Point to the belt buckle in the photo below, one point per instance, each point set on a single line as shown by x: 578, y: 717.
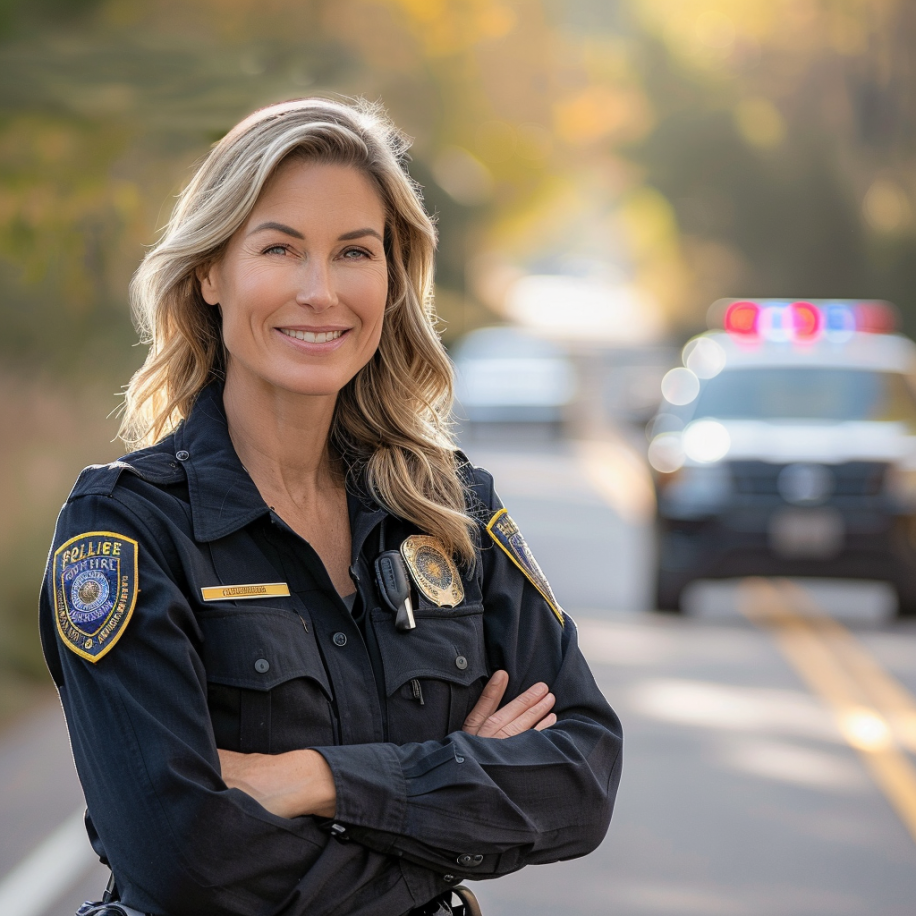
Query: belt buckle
x: 443, y: 906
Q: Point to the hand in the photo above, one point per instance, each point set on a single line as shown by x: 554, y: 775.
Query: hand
x: 289, y: 785
x: 530, y: 709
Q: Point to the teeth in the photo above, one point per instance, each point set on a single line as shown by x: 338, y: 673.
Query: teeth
x: 311, y: 336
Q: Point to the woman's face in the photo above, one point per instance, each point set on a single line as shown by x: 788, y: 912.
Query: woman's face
x: 302, y: 285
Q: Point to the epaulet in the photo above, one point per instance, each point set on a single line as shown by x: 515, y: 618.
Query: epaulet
x: 98, y: 480
x: 152, y: 465
x: 478, y: 488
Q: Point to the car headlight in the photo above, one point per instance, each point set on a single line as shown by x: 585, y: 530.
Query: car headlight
x: 706, y: 441
x: 703, y: 441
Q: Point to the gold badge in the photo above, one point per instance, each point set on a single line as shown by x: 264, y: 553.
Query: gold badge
x: 433, y: 570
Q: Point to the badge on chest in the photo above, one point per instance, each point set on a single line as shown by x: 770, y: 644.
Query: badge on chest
x: 433, y: 571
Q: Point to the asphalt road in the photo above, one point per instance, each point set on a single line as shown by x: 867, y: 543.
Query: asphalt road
x: 770, y: 732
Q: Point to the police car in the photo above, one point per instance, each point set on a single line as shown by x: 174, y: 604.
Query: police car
x: 786, y: 445
x: 509, y: 375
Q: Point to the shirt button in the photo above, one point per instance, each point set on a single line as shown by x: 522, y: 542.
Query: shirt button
x: 262, y: 666
x: 340, y: 639
x: 182, y: 455
x: 449, y: 879
x: 461, y: 662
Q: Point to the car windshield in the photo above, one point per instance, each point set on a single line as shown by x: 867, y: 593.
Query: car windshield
x: 807, y: 393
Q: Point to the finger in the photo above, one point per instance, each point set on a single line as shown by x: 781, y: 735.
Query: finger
x: 515, y: 708
x: 488, y: 703
x: 528, y: 719
x: 518, y: 715
x: 546, y: 722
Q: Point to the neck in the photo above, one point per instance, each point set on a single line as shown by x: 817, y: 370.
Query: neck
x: 281, y: 438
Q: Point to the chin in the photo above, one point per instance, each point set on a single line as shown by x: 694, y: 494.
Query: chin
x: 308, y: 381
x: 314, y: 384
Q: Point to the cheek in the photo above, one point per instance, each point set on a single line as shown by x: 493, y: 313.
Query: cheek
x: 372, y: 297
x: 251, y: 295
x: 261, y: 285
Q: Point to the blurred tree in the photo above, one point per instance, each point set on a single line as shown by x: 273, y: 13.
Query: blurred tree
x: 784, y: 142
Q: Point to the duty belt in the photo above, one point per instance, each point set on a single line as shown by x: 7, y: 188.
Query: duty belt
x: 459, y: 901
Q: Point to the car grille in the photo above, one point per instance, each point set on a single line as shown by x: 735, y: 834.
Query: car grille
x: 854, y: 478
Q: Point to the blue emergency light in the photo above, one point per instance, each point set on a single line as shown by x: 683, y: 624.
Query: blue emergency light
x: 802, y: 321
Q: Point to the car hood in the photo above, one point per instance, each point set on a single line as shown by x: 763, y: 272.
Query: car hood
x: 831, y: 443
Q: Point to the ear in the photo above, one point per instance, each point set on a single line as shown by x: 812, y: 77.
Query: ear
x: 207, y: 276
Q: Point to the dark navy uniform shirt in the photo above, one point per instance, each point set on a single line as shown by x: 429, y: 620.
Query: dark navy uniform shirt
x: 422, y: 803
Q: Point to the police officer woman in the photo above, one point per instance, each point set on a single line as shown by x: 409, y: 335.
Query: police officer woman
x: 285, y: 627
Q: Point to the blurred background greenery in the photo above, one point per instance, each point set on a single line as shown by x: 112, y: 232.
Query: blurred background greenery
x: 683, y: 150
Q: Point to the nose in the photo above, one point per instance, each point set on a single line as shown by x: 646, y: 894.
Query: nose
x: 316, y: 289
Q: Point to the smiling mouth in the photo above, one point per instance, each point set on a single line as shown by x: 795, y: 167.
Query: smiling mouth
x: 312, y: 336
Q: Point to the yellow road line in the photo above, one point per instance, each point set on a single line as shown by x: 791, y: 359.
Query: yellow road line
x: 886, y: 692
x: 842, y: 673
x: 875, y: 714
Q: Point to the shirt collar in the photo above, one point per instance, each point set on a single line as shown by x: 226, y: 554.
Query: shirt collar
x: 223, y: 496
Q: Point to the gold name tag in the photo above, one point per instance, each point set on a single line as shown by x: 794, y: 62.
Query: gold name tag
x: 240, y: 592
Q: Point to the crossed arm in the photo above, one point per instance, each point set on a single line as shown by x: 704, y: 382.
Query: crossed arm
x: 300, y: 782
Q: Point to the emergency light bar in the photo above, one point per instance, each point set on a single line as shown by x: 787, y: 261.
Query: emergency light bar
x: 802, y: 321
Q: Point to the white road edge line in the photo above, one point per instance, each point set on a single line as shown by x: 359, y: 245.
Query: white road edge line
x: 40, y: 879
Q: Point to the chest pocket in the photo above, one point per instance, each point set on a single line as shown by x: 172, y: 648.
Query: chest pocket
x: 267, y: 687
x: 434, y: 673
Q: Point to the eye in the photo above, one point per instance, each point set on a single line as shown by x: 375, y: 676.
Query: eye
x: 276, y: 249
x: 356, y: 254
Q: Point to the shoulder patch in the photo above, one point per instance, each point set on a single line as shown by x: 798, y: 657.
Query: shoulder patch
x: 433, y: 570
x: 505, y: 532
x: 95, y: 590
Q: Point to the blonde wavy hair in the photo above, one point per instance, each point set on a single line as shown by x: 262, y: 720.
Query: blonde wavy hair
x: 391, y: 421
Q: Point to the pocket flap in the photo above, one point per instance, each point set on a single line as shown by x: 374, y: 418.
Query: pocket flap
x: 447, y: 645
x: 259, y: 648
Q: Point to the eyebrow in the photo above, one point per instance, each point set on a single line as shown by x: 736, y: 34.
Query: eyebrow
x: 288, y: 230
x: 280, y: 227
x: 358, y: 234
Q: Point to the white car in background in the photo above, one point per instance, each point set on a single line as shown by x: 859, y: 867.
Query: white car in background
x: 508, y: 375
x: 786, y: 445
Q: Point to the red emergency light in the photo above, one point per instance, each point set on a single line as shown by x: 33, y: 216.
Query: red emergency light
x: 802, y: 321
x: 875, y: 317
x: 741, y: 319
x: 807, y: 320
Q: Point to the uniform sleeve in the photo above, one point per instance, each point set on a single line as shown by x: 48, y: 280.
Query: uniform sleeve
x: 482, y: 807
x: 180, y: 842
